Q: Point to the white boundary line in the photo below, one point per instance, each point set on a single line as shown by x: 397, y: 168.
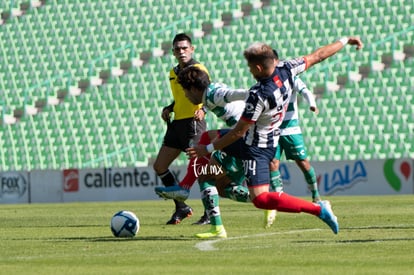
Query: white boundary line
x: 209, y: 245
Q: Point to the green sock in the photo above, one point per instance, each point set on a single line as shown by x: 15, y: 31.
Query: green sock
x: 276, y: 183
x: 237, y: 192
x: 310, y: 178
x: 210, y: 199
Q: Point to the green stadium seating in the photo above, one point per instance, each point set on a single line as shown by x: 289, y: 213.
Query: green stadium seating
x: 55, y: 46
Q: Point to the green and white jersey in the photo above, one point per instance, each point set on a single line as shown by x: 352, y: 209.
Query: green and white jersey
x: 226, y: 103
x: 290, y: 124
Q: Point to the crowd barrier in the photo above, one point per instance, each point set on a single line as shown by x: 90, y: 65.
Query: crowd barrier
x: 357, y: 177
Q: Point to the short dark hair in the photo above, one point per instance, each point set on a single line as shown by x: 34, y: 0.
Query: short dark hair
x: 181, y: 37
x: 193, y: 76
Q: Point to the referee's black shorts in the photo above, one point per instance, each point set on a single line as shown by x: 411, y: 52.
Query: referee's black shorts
x: 184, y: 133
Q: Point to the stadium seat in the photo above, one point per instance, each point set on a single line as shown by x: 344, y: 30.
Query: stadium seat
x: 66, y: 37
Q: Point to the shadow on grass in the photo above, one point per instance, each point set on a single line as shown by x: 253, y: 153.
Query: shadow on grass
x: 377, y: 240
x: 60, y: 226
x: 114, y: 239
x: 359, y: 240
x: 105, y: 239
x: 385, y: 228
x: 71, y: 225
x: 380, y: 227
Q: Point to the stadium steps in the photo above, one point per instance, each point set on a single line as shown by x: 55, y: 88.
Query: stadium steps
x: 9, y: 12
x: 233, y: 43
x: 372, y: 118
x: 42, y: 104
x: 14, y: 104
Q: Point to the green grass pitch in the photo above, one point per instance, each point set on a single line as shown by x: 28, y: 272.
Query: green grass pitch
x: 376, y: 237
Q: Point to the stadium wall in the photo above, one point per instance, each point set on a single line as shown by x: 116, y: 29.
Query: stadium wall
x: 359, y: 177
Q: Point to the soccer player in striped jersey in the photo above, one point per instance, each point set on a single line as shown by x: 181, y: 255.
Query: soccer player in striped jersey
x: 255, y: 137
x: 227, y: 104
x: 186, y: 127
x: 291, y: 141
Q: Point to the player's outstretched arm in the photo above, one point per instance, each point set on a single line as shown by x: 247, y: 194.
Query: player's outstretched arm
x: 326, y: 51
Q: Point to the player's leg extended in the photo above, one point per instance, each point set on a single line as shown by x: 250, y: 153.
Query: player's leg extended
x: 230, y: 182
x: 228, y: 187
x: 195, y: 166
x: 161, y: 165
x: 284, y: 202
x: 165, y: 157
x: 210, y: 199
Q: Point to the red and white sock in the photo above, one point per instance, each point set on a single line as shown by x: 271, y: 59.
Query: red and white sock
x: 190, y: 177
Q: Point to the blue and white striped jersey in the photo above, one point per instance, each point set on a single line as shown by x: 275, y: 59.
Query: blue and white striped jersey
x: 226, y: 103
x: 290, y: 124
x: 267, y: 102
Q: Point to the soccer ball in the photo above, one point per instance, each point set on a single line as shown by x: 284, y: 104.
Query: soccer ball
x: 124, y: 224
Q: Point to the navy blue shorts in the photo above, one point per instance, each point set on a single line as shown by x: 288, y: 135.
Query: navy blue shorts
x: 255, y: 160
